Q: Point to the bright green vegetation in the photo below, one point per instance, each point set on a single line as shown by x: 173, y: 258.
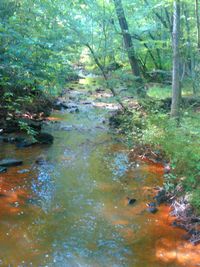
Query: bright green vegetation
x: 181, y: 147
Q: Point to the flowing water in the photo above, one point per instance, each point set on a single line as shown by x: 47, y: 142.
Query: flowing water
x: 72, y: 210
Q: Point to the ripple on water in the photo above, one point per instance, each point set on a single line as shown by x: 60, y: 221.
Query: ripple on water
x: 44, y: 186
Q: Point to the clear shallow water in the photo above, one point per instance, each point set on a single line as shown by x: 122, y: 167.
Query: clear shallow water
x: 72, y: 210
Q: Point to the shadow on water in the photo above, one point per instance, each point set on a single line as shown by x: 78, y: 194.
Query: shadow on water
x: 72, y: 210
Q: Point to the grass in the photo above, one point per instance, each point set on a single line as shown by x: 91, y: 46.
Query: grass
x: 162, y: 92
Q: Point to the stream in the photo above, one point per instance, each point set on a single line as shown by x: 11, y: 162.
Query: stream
x: 71, y: 210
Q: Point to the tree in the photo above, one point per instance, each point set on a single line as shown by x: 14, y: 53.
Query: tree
x: 128, y: 43
x: 176, y: 88
x: 127, y: 38
x: 198, y: 22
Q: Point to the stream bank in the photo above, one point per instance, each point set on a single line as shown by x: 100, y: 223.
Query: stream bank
x: 155, y: 138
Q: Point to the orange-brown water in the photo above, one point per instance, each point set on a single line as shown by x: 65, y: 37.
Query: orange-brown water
x: 72, y: 211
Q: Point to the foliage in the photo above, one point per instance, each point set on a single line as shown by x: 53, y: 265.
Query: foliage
x: 151, y: 125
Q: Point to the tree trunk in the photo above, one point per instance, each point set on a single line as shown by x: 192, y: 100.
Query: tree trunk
x: 129, y: 47
x: 176, y: 88
x: 127, y: 37
x: 189, y: 43
x: 198, y: 22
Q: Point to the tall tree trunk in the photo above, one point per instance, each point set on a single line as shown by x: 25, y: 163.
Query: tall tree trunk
x: 127, y: 37
x: 129, y: 46
x: 189, y: 46
x: 198, y: 22
x: 176, y: 88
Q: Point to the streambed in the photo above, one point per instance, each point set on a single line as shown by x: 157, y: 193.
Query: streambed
x: 72, y: 209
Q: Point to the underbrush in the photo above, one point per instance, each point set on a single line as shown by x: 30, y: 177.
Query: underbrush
x: 19, y: 109
x: 150, y: 125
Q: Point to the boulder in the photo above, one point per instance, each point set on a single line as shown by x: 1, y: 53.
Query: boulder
x: 10, y: 162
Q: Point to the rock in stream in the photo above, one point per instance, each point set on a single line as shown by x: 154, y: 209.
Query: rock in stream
x: 10, y: 162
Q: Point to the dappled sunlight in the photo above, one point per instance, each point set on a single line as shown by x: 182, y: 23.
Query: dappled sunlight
x: 54, y: 119
x: 182, y: 252
x: 110, y: 106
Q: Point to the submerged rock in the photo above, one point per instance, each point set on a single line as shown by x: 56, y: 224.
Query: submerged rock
x: 131, y: 201
x: 10, y: 162
x: 19, y: 141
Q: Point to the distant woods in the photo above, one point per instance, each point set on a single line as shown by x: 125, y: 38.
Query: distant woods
x: 142, y: 42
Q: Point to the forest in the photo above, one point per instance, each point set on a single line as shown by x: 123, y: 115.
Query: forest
x: 99, y: 129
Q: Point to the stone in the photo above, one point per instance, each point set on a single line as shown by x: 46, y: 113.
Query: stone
x: 23, y: 171
x: 131, y: 201
x: 73, y: 110
x: 69, y: 105
x: 10, y: 162
x: 25, y: 143
x: 152, y: 207
x: 3, y: 169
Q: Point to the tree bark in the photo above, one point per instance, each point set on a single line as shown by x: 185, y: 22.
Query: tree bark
x: 129, y: 47
x: 127, y: 37
x: 189, y: 42
x: 176, y: 88
x: 198, y: 23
